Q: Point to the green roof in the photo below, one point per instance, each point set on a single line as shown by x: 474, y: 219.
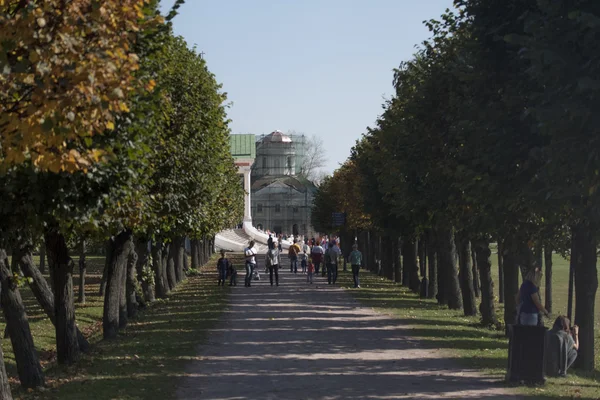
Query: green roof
x: 243, y: 146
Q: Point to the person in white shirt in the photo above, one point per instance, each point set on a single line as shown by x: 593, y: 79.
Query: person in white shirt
x: 250, y: 253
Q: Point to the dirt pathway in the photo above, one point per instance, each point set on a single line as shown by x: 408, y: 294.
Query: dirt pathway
x: 300, y: 341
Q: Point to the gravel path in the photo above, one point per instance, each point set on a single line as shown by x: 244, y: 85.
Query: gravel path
x: 300, y: 341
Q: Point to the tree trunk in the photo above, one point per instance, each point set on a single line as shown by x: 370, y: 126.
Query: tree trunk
x: 170, y: 265
x: 476, y: 287
x: 407, y: 264
x: 141, y: 249
x: 422, y: 252
x: 186, y: 260
x: 26, y: 356
x: 432, y: 265
x: 571, y: 283
x: 82, y: 269
x: 120, y: 248
x: 511, y: 280
x: 195, y: 248
x: 43, y: 258
x: 179, y: 244
x: 42, y: 292
x: 548, y: 273
x: 123, y: 320
x: 500, y: 272
x: 131, y: 285
x: 160, y: 279
x: 398, y: 260
x: 586, y: 284
x: 447, y: 262
x: 487, y: 307
x: 61, y: 265
x: 5, y: 393
x: 108, y: 251
x: 410, y: 263
x: 466, y: 276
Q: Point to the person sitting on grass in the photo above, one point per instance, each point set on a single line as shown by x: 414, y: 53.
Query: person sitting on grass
x: 562, y: 343
x: 222, y: 267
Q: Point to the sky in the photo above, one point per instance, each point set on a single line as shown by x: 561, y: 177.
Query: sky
x: 318, y: 67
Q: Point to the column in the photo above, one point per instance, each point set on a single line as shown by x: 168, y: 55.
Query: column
x: 247, y: 203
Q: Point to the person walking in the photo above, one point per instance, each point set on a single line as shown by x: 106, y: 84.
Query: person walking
x: 355, y: 260
x: 273, y: 261
x: 304, y: 255
x: 316, y: 253
x: 331, y: 259
x: 223, y: 265
x: 250, y: 254
x: 293, y: 254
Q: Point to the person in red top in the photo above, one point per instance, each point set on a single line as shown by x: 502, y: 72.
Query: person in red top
x: 311, y: 270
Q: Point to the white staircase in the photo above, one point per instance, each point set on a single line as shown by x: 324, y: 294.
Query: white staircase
x: 236, y: 240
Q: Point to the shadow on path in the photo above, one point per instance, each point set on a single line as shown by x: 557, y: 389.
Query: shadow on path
x: 301, y: 341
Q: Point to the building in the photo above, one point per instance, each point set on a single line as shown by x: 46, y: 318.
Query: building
x: 281, y: 198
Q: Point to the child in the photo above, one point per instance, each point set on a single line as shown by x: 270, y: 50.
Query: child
x: 233, y: 274
x: 311, y: 270
x: 223, y: 265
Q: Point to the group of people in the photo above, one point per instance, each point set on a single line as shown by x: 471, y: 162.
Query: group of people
x: 562, y: 341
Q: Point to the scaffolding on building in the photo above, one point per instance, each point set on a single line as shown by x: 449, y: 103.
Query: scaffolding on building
x: 281, y: 196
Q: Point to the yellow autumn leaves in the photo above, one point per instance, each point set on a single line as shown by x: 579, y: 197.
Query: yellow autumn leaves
x: 66, y: 71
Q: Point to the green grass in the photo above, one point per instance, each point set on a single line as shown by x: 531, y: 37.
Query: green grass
x: 147, y: 358
x: 464, y: 339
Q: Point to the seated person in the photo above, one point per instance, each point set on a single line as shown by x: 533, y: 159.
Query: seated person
x: 562, y: 344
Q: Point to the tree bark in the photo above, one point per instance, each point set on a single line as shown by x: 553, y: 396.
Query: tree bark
x: 195, y: 259
x: 511, y: 280
x: 42, y: 292
x: 466, y: 276
x: 61, y: 265
x: 476, y: 287
x: 141, y: 249
x: 398, y: 260
x: 120, y: 248
x: 170, y: 265
x: 108, y: 251
x: 422, y: 251
x: 43, y: 258
x: 432, y: 265
x: 123, y: 320
x: 500, y: 272
x: 586, y: 285
x: 131, y: 285
x: 548, y: 273
x: 82, y: 270
x: 160, y: 279
x: 487, y: 307
x: 26, y: 356
x: 410, y: 263
x: 5, y: 393
x: 447, y: 262
x: 179, y: 244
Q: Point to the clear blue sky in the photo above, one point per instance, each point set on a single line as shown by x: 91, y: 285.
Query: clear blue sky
x: 320, y: 67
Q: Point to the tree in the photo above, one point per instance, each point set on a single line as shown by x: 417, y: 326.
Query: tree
x: 313, y: 155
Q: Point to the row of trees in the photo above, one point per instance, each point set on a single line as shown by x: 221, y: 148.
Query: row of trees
x: 490, y: 137
x: 112, y: 129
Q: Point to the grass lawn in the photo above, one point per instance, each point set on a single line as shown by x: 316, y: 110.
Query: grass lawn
x: 146, y: 359
x: 462, y: 337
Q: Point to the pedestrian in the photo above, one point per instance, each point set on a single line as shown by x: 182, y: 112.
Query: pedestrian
x: 355, y: 260
x: 529, y: 303
x: 311, y: 270
x: 331, y: 260
x: 270, y: 241
x: 250, y: 254
x: 293, y: 255
x: 222, y: 267
x: 273, y: 261
x: 316, y: 253
x: 304, y: 255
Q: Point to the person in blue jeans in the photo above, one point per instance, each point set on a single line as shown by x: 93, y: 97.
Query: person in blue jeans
x: 293, y: 254
x: 530, y: 305
x: 355, y: 260
x: 223, y: 266
x: 250, y: 254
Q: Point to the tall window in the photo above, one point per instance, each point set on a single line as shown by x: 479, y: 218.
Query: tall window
x: 259, y: 208
x: 277, y: 208
x: 295, y: 209
x: 264, y: 162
